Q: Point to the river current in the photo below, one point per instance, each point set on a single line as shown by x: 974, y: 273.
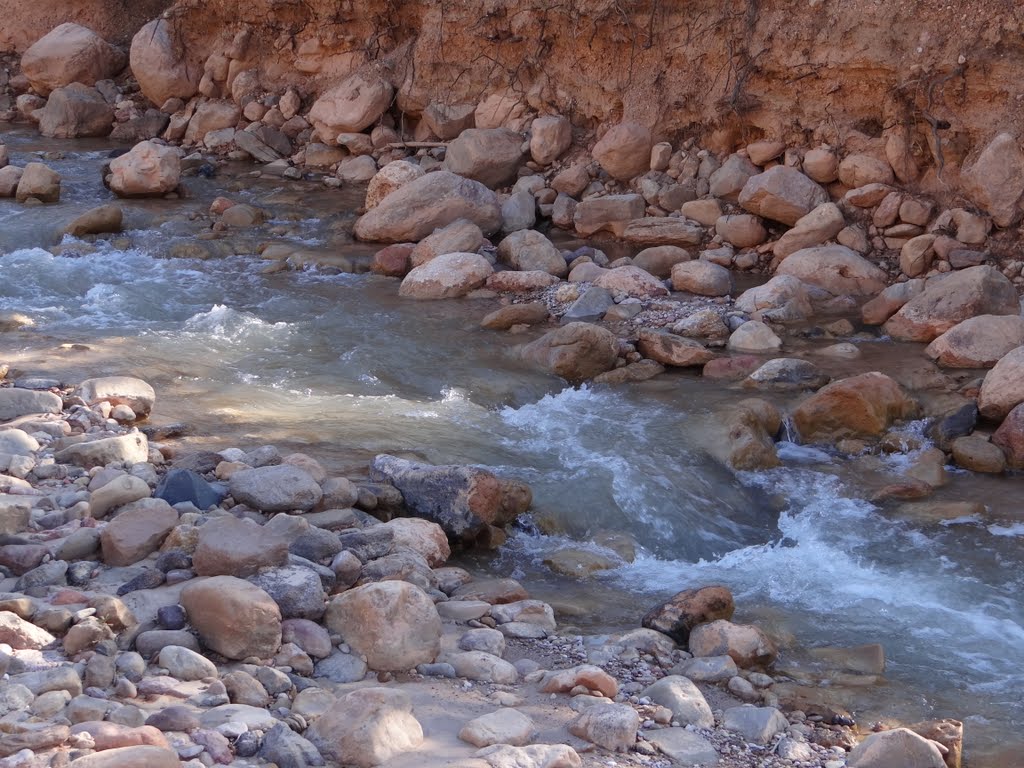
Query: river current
x: 337, y: 366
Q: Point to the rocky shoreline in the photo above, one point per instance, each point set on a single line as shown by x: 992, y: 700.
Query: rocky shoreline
x: 330, y: 581
x: 246, y: 608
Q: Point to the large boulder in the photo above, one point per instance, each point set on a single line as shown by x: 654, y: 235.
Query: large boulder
x: 148, y: 170
x: 978, y: 342
x: 463, y: 500
x: 817, y: 227
x: 351, y: 106
x: 297, y: 590
x: 784, y: 298
x: 461, y: 236
x: 950, y: 299
x: 389, y: 178
x: 211, y: 116
x: 366, y: 727
x: 701, y: 278
x: 161, y: 64
x: 280, y: 488
x: 1009, y: 438
x: 836, y: 269
x: 550, y: 136
x: 67, y: 54
x: 528, y: 250
x: 119, y: 390
x: 731, y: 177
x: 446, y: 277
x: 625, y: 151
x: 670, y: 349
x: 576, y: 351
x: 394, y: 624
x: 782, y: 194
x: 678, y: 615
x: 75, y: 111
x: 861, y: 406
x: 137, y: 531
x: 435, y: 200
x: 631, y: 281
x: 995, y: 180
x: 1003, y: 387
x: 612, y: 213
x: 680, y: 695
x: 233, y: 617
x: 129, y: 449
x: 231, y: 546
x: 746, y: 644
x: 15, y: 403
x: 491, y: 156
x: 898, y: 748
x: 128, y: 757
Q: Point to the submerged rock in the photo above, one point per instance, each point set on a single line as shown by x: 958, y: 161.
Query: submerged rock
x: 576, y: 351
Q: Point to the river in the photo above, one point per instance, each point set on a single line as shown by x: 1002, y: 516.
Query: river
x: 335, y: 365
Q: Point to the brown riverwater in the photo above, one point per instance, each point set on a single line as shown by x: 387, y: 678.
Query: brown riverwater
x: 337, y: 366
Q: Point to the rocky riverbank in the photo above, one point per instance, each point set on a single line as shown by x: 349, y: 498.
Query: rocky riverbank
x: 246, y: 608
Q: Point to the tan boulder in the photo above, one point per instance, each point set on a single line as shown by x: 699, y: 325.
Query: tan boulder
x: 392, y: 623
x: 119, y: 390
x: 898, y: 748
x: 118, y: 492
x: 660, y: 259
x: 782, y: 194
x: 859, y: 170
x: 611, y: 213
x: 530, y: 251
x: 727, y: 181
x: 366, y: 727
x: 424, y: 537
x: 822, y: 165
x: 889, y: 301
x: 631, y: 281
x: 75, y: 111
x: 625, y: 151
x: 746, y: 644
x: 978, y: 342
x: 669, y: 349
x: 148, y: 170
x: 70, y: 53
x: 22, y: 635
x: 277, y: 488
x: 389, y: 178
x: 754, y: 336
x: 233, y: 617
x: 995, y: 180
x: 421, y: 206
x: 783, y: 298
x: 138, y: 530
x: 129, y: 757
x: 491, y: 156
x: 447, y: 121
x: 40, y: 182
x: 917, y: 254
x: 742, y: 230
x: 351, y: 106
x: 978, y: 454
x: 550, y: 137
x: 819, y: 226
x: 1003, y: 387
x: 701, y: 278
x: 446, y: 277
x: 835, y: 269
x: 212, y: 115
x: 461, y: 236
x: 575, y: 351
x: 130, y: 449
x: 519, y: 282
x: 231, y: 546
x: 10, y: 177
x: 950, y: 299
x: 661, y: 230
x: 861, y: 406
x: 677, y: 616
x: 162, y: 64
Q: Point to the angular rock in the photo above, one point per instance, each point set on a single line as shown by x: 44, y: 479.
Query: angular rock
x: 781, y: 194
x: 527, y: 250
x: 129, y: 757
x: 389, y: 178
x: 754, y: 336
x: 611, y: 213
x: 138, y: 530
x: 612, y: 726
x: 995, y: 180
x: 757, y: 725
x: 15, y: 403
x: 631, y: 281
x: 550, y: 137
x: 40, y: 182
x: 683, y: 747
x: 701, y: 278
x: 297, y: 591
x: 75, y: 111
x: 669, y: 349
x: 1010, y: 438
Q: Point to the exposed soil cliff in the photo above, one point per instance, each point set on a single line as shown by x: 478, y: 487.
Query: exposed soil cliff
x: 25, y: 21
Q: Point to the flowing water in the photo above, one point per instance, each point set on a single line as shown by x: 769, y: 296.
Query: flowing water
x: 335, y: 365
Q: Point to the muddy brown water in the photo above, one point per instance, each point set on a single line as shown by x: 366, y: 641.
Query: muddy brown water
x: 337, y: 366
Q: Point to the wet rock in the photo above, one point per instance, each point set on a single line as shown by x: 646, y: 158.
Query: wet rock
x: 389, y: 178
x: 898, y: 748
x: 678, y: 615
x: 746, y: 644
x: 515, y: 314
x: 861, y: 406
x: 527, y: 250
x: 505, y: 726
x: 234, y: 618
x: 69, y: 53
x: 757, y: 725
x: 488, y: 155
x: 148, y: 170
x: 158, y: 65
x: 74, y: 111
x: 137, y: 531
x: 1003, y: 387
x: 445, y: 277
x: 612, y: 726
x: 40, y: 182
x: 754, y: 336
x: 946, y: 733
x: 393, y: 624
x: 836, y: 269
x: 277, y: 488
x: 576, y: 351
x: 951, y: 299
x: 1010, y: 439
x: 669, y: 349
x: 787, y: 373
x: 366, y: 728
x: 105, y: 218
